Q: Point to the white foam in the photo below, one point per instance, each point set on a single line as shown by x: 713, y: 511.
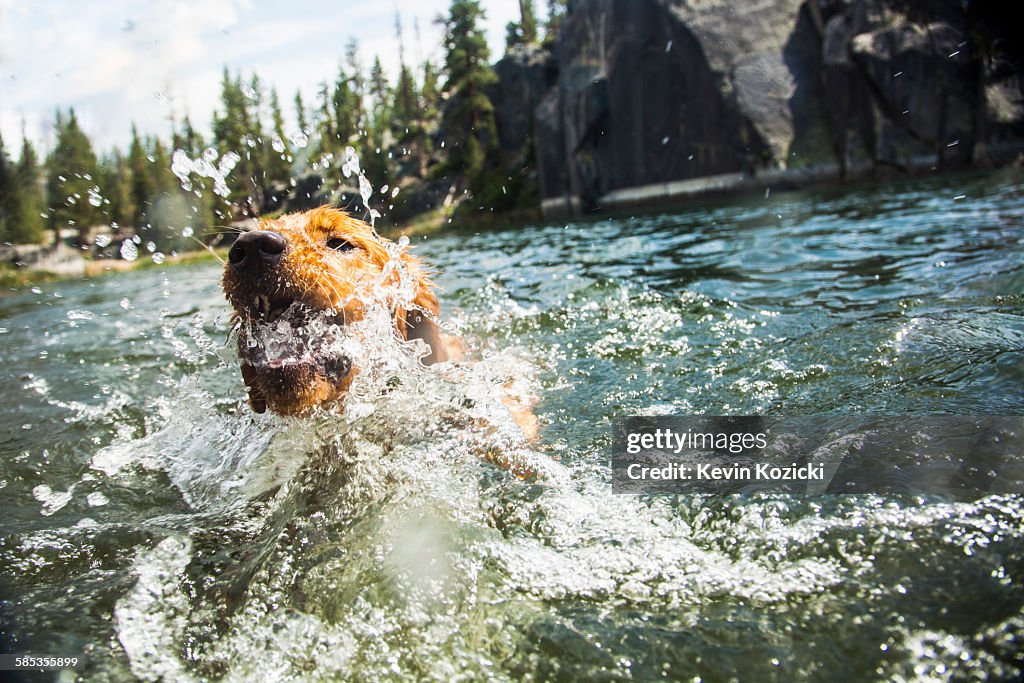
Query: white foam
x: 152, y: 617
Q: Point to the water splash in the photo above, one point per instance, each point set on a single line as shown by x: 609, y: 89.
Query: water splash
x: 350, y: 166
x: 151, y: 619
x: 208, y: 165
x: 129, y: 251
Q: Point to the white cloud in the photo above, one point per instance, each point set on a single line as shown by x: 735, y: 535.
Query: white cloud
x: 142, y: 61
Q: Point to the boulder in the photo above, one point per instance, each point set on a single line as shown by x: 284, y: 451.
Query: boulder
x: 525, y: 74
x: 653, y: 92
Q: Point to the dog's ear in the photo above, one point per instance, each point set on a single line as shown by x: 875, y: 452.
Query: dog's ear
x: 417, y: 323
x: 419, y: 326
x: 256, y: 400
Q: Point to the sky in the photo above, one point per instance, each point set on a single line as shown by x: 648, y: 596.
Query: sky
x: 146, y: 61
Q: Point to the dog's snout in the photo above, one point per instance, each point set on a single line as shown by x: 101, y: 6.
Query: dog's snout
x: 257, y: 249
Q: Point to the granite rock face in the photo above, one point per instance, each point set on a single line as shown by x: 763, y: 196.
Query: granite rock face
x: 653, y: 91
x: 525, y: 74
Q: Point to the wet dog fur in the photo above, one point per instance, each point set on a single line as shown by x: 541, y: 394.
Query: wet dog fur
x: 327, y: 262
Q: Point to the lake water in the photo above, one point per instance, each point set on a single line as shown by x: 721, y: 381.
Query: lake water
x: 152, y: 522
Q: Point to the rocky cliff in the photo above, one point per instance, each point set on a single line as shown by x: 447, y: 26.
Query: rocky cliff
x: 661, y: 93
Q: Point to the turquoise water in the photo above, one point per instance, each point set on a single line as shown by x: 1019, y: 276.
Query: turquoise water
x: 152, y: 522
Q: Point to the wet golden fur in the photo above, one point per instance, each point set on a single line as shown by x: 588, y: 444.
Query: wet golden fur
x: 312, y: 273
x: 336, y: 283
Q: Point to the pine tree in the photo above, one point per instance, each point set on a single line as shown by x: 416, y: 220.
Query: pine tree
x: 26, y: 223
x: 300, y: 113
x: 142, y: 188
x: 7, y: 194
x: 356, y: 85
x: 257, y: 144
x: 237, y: 129
x: 73, y: 184
x: 170, y: 209
x: 525, y: 30
x: 406, y: 115
x: 279, y: 155
x: 325, y: 120
x: 512, y: 35
x: 528, y: 23
x: 116, y: 183
x: 343, y: 104
x: 469, y: 118
x: 428, y: 103
x: 205, y: 203
x: 557, y: 9
x: 374, y: 155
x: 429, y: 94
x: 404, y: 105
x: 379, y: 93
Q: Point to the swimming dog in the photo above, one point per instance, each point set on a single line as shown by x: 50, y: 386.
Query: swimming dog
x: 324, y: 264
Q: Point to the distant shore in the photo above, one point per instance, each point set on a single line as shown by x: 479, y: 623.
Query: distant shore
x: 13, y: 279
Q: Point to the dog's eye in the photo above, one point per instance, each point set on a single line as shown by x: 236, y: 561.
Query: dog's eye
x: 339, y: 244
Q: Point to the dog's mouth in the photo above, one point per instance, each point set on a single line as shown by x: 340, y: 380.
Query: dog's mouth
x: 281, y: 332
x: 293, y: 356
x: 270, y: 309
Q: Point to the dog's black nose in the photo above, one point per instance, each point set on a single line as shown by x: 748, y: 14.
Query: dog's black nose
x: 257, y: 249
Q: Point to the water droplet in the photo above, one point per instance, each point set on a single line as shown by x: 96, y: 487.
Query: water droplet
x: 187, y: 231
x: 126, y: 304
x: 365, y: 189
x: 94, y: 196
x: 183, y: 166
x: 102, y: 241
x: 351, y: 162
x: 129, y: 252
x: 158, y: 258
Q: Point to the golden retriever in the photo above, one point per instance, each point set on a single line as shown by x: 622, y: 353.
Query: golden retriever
x: 323, y: 264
